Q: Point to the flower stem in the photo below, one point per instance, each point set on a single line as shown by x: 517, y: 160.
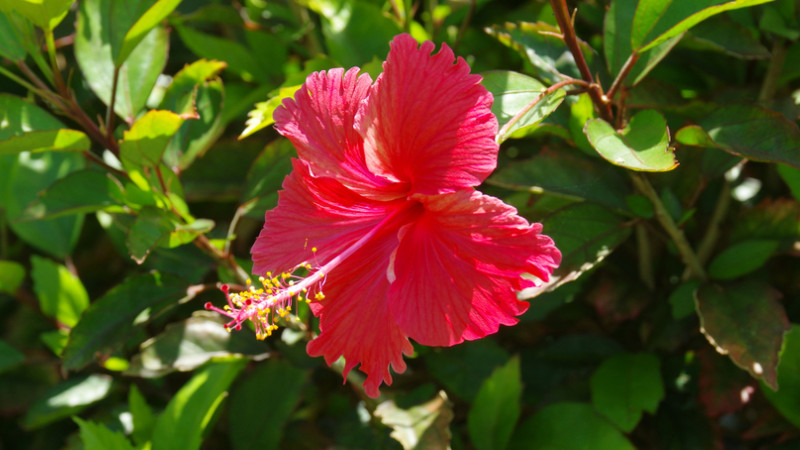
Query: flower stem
x: 676, y: 234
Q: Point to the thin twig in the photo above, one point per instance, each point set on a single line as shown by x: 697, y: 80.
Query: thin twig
x: 770, y: 83
x: 711, y: 236
x: 109, y: 124
x: 464, y: 23
x: 676, y: 234
x: 646, y: 272
x: 623, y: 73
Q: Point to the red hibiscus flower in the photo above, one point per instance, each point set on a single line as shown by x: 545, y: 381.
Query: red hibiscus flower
x: 381, y: 213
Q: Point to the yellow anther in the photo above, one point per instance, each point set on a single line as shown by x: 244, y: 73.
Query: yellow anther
x: 314, y: 249
x: 319, y: 296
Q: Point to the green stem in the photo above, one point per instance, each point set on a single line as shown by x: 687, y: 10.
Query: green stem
x: 676, y: 234
x: 18, y: 80
x: 770, y: 83
x: 110, y: 113
x: 709, y: 240
x: 51, y: 53
x: 463, y: 28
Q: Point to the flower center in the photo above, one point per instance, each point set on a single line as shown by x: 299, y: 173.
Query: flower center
x: 266, y: 305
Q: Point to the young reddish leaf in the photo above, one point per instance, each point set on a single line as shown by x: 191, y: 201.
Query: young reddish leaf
x: 745, y: 321
x: 643, y: 145
x: 625, y: 385
x: 777, y: 219
x: 723, y: 387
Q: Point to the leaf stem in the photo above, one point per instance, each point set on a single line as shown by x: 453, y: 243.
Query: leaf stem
x: 712, y: 231
x: 564, y: 20
x: 770, y: 83
x: 501, y: 134
x: 646, y: 272
x: 463, y: 28
x: 111, y: 104
x: 623, y: 73
x: 676, y: 234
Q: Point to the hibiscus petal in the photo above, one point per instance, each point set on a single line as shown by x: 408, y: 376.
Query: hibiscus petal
x: 427, y: 121
x: 319, y: 122
x: 355, y: 321
x: 312, y: 213
x: 458, y: 268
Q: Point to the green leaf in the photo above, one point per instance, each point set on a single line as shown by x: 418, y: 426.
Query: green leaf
x: 27, y: 174
x: 261, y: 117
x: 143, y: 25
x: 46, y: 141
x: 625, y: 385
x: 46, y: 14
x: 9, y: 356
x: 496, y: 408
x: 520, y: 102
x: 755, y: 133
x: 694, y: 136
x: 61, y: 294
x: 462, y: 369
x: 746, y: 321
x: 742, y: 258
x: 144, y: 144
x: 568, y: 425
x: 261, y: 63
x: 193, y: 408
x: 777, y: 219
x: 66, y: 399
x: 181, y: 95
x: 681, y: 300
x: 12, y: 44
x: 143, y: 418
x: 251, y: 425
x: 156, y: 227
x: 785, y: 399
x: 585, y: 234
x: 540, y: 45
x: 346, y: 25
x: 186, y: 345
x: 265, y: 176
x: 422, y: 426
x: 656, y: 21
x: 791, y: 177
x: 617, y: 43
x: 12, y: 274
x: 721, y: 33
x: 80, y: 192
x: 100, y: 31
x: 95, y: 436
x: 116, y: 316
x: 643, y: 145
x: 567, y: 175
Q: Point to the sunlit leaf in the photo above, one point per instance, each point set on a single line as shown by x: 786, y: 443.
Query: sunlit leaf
x: 143, y: 418
x: 61, y: 294
x: 100, y: 32
x: 67, y: 398
x: 11, y: 43
x: 496, y: 408
x: 114, y: 317
x: 540, y: 45
x: 745, y: 321
x: 656, y: 21
x: 95, y: 436
x: 144, y: 144
x: 146, y: 22
x: 626, y: 385
x: 643, y: 145
x: 261, y: 117
x: 193, y: 408
x: 519, y: 101
x: 46, y: 14
x: 184, y: 346
x: 422, y: 426
x: 64, y: 140
x: 80, y: 192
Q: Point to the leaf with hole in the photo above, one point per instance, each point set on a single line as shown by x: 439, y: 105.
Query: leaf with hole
x: 745, y: 321
x: 643, y: 145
